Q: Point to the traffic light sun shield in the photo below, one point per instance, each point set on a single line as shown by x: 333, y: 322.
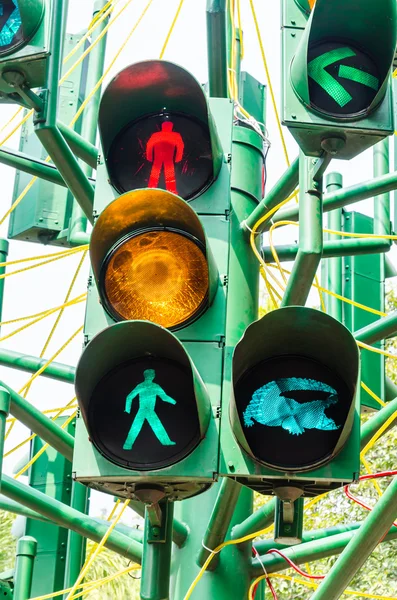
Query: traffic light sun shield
x: 154, y: 115
x: 138, y: 396
x: 151, y: 259
x: 293, y: 402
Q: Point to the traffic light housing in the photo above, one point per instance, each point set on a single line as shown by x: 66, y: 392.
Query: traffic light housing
x: 24, y: 37
x: 294, y: 412
x: 337, y: 94
x: 157, y: 291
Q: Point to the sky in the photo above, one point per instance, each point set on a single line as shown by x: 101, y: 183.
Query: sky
x: 45, y: 287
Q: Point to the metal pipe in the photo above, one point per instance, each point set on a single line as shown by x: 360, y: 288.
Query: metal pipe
x: 24, y: 562
x: 263, y: 546
x: 78, y: 221
x: 260, y: 519
x: 309, y: 551
x: 4, y: 412
x: 363, y: 542
x: 390, y: 390
x: 219, y: 520
x: 334, y: 182
x: 345, y: 196
x: 279, y: 192
x: 66, y: 516
x: 31, y: 364
x: 310, y: 235
x: 156, y: 560
x: 44, y: 427
x: 17, y: 509
x: 217, y: 48
x: 82, y: 148
x: 369, y: 428
x: 180, y: 531
x: 4, y: 245
x: 337, y: 248
x: 382, y: 201
x: 31, y: 165
x: 76, y: 545
x: 378, y: 330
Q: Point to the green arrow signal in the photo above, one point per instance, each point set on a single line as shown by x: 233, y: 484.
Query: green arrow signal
x: 316, y: 70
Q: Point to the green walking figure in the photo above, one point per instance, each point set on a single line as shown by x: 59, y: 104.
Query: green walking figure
x: 147, y: 392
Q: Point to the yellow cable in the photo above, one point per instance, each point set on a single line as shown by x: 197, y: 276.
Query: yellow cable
x: 98, y: 16
x: 84, y: 570
x: 370, y: 472
x: 311, y: 584
x: 372, y: 394
x: 378, y: 433
x: 112, y: 62
x: 9, y: 135
x: 16, y: 113
x: 44, y: 312
x: 171, y: 29
x: 59, y: 412
x: 272, y: 96
x: 48, y: 411
x: 62, y: 253
x: 376, y: 350
x: 361, y: 235
x: 43, y: 449
x: 40, y: 318
x: 92, y: 46
x: 40, y: 264
x: 50, y: 360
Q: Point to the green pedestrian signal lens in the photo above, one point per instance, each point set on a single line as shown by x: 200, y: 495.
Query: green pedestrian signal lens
x: 291, y: 409
x: 343, y: 81
x: 137, y: 410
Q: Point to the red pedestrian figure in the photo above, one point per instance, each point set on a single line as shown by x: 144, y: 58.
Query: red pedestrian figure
x: 164, y: 148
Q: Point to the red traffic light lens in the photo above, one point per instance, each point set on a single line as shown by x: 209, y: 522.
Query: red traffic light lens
x: 167, y: 151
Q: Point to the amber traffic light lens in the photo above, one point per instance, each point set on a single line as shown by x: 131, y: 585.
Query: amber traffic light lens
x: 158, y: 276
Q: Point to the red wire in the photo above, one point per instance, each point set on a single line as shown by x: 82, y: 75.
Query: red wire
x: 294, y: 566
x: 362, y: 478
x: 269, y: 583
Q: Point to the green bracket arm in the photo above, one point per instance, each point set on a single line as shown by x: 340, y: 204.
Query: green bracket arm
x: 5, y: 402
x: 79, y: 146
x: 180, y: 531
x: 331, y: 249
x: 31, y: 364
x: 156, y: 560
x: 219, y: 521
x: 260, y: 519
x: 40, y: 424
x: 378, y: 330
x: 65, y: 516
x: 310, y: 234
x: 369, y: 428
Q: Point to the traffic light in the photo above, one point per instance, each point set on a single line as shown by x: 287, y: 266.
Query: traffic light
x: 337, y: 93
x: 293, y: 410
x: 155, y: 318
x: 24, y: 35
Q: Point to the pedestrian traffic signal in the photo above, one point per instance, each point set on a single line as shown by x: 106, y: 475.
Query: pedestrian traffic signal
x: 23, y: 44
x: 154, y: 116
x: 293, y: 406
x: 157, y: 248
x: 145, y: 408
x: 151, y: 259
x: 337, y: 89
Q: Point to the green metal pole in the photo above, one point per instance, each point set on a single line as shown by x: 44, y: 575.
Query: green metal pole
x: 46, y: 120
x: 363, y: 542
x: 332, y: 248
x: 279, y: 192
x: 31, y: 364
x: 180, y: 531
x: 76, y: 544
x: 156, y: 559
x: 26, y: 552
x: 310, y: 236
x: 390, y: 390
x: 310, y: 551
x: 260, y: 519
x: 334, y: 182
x: 378, y: 330
x: 217, y: 48
x: 78, y: 221
x: 82, y: 148
x: 369, y: 428
x: 4, y: 245
x: 219, y: 521
x: 17, y: 509
x: 68, y: 517
x: 345, y: 196
x: 5, y: 402
x: 31, y: 165
x: 40, y: 424
x: 381, y: 202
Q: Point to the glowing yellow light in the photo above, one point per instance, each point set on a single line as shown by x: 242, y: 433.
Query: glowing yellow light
x: 158, y: 276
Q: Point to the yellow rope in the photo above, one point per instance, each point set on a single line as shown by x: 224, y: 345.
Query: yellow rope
x: 372, y: 394
x: 98, y: 16
x: 376, y: 350
x: 48, y: 411
x: 378, y: 433
x: 112, y: 62
x: 96, y: 41
x: 171, y: 29
x: 44, y: 312
x: 28, y: 439
x: 84, y: 570
x: 44, y: 256
x: 269, y: 82
x: 43, y: 316
x: 44, y: 262
x: 43, y: 449
x: 14, y: 116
